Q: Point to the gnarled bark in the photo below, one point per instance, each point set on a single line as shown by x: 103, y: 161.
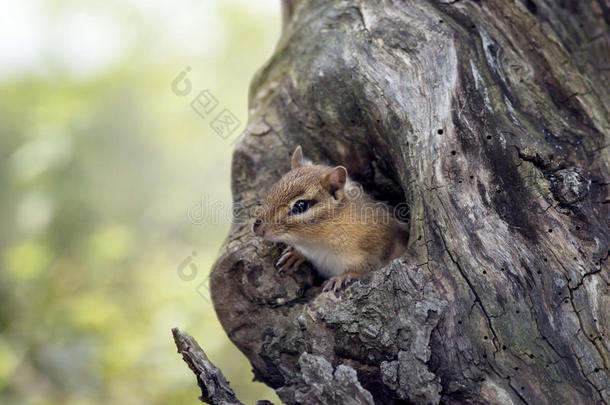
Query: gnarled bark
x: 214, y: 385
x: 490, y: 119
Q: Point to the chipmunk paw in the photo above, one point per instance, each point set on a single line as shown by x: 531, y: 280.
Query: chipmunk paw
x: 337, y: 283
x: 290, y: 259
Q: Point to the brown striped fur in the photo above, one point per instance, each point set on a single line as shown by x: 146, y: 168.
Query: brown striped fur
x: 345, y: 233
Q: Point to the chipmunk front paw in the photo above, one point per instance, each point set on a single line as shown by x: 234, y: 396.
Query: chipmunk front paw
x: 339, y: 282
x: 290, y: 259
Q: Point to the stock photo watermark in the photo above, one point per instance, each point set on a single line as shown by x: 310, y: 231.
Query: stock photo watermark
x: 225, y: 124
x: 188, y: 271
x: 220, y: 119
x: 206, y: 211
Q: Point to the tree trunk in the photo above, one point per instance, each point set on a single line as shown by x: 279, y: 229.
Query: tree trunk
x: 490, y: 120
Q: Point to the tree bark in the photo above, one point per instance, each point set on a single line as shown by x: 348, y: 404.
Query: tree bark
x: 490, y: 120
x: 214, y: 385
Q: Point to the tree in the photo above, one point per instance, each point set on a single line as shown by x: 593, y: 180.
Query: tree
x: 490, y: 120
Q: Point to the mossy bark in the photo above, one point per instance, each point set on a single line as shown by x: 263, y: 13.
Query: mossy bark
x: 490, y: 120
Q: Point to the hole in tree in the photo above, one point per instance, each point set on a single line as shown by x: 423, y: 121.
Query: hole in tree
x: 373, y: 167
x: 380, y: 180
x: 531, y: 6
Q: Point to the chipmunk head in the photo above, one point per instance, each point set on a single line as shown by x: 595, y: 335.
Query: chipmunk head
x: 303, y: 199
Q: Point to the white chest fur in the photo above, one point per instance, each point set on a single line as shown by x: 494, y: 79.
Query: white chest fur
x: 326, y: 262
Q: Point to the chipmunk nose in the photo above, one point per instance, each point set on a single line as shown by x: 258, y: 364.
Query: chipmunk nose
x: 257, y: 227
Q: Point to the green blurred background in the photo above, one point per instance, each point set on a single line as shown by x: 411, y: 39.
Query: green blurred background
x: 115, y: 193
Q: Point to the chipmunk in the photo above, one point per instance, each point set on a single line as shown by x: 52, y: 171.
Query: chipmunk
x: 325, y: 218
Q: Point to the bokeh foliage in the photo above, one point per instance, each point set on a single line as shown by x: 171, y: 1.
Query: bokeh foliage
x: 97, y: 174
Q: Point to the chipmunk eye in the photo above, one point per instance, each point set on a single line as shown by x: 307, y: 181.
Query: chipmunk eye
x: 301, y: 206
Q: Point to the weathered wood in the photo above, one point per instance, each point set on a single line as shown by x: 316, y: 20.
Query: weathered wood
x: 214, y: 386
x: 490, y: 120
x: 316, y: 383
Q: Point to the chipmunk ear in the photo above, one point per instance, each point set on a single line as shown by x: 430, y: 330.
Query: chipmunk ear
x: 297, y: 158
x: 335, y: 180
